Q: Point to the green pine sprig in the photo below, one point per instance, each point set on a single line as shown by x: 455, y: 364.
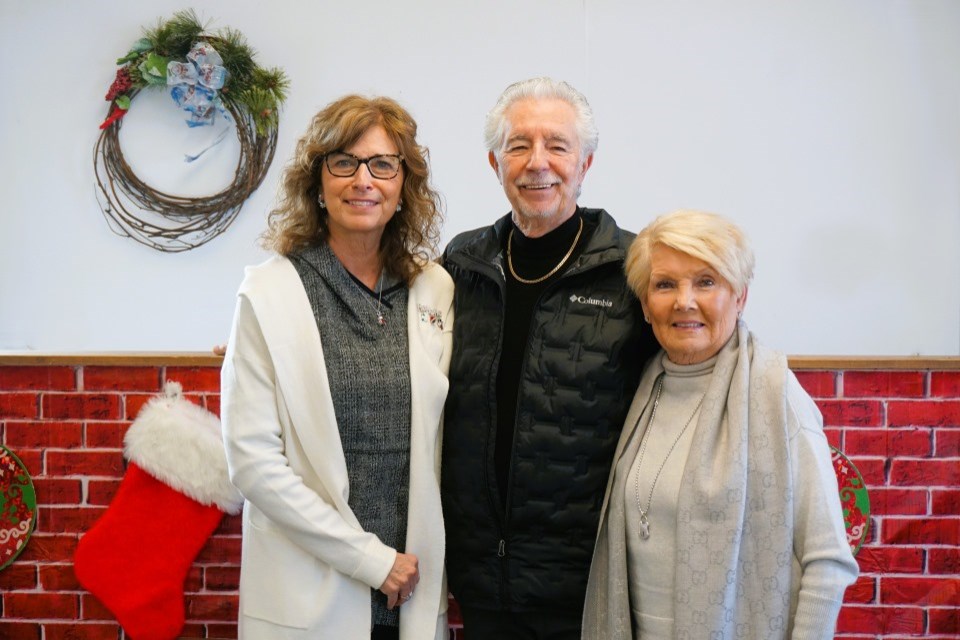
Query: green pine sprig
x: 259, y: 91
x: 273, y: 80
x: 237, y: 55
x: 174, y: 37
x: 262, y: 106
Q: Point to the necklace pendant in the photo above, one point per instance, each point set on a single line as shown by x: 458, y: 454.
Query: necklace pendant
x: 644, y: 526
x: 381, y: 320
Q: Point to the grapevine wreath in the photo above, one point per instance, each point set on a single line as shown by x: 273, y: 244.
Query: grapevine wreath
x: 209, y: 75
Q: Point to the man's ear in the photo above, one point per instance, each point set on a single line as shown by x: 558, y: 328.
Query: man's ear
x: 586, y: 165
x: 492, y: 159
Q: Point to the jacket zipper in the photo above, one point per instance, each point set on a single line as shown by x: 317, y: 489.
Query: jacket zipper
x: 491, y: 270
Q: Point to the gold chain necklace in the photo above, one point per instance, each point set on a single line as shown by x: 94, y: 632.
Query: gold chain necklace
x: 549, y: 273
x: 644, y: 521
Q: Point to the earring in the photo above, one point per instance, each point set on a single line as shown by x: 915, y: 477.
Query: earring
x: 323, y: 205
x: 399, y: 206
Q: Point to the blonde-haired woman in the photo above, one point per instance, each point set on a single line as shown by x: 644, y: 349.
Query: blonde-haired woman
x: 722, y: 517
x: 333, y: 385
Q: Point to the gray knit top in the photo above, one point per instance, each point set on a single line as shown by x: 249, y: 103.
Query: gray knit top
x: 369, y: 372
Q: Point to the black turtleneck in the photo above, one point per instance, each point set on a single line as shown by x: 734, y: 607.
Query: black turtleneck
x: 532, y: 258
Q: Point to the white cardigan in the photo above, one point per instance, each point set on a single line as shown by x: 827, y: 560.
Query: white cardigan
x: 307, y: 567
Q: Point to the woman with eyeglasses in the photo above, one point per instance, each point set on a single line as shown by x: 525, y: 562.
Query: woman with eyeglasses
x: 332, y: 389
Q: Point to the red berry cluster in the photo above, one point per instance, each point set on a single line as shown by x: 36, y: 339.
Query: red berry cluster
x: 120, y: 85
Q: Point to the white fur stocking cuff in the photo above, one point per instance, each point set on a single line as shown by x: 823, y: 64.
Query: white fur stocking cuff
x: 179, y: 443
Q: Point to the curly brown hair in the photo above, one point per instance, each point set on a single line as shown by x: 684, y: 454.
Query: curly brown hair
x: 410, y: 237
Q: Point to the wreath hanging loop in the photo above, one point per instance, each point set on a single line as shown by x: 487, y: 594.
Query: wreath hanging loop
x: 209, y: 75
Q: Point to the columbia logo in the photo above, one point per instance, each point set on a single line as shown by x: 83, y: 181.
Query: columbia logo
x: 596, y: 302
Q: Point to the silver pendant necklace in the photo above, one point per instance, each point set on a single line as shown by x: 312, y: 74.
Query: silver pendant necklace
x: 380, y: 319
x: 644, y: 520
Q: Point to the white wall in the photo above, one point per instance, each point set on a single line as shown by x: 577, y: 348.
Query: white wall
x: 829, y: 129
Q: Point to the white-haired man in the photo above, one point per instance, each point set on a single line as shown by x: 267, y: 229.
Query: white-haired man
x: 549, y: 344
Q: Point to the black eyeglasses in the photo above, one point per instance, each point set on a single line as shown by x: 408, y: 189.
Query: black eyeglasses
x: 344, y: 165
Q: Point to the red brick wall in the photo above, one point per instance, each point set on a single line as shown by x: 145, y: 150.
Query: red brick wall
x: 902, y: 430
x: 66, y: 423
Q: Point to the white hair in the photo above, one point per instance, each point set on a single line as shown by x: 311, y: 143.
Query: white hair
x: 495, y: 129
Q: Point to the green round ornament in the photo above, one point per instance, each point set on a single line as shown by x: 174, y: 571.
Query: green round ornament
x: 853, y: 499
x: 18, y: 507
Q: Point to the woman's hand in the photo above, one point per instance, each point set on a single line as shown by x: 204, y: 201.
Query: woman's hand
x: 402, y: 579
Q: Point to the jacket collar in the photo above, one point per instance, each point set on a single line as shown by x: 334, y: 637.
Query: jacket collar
x: 605, y: 243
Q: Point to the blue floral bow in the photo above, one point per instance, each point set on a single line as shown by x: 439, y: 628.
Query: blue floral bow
x: 195, y: 84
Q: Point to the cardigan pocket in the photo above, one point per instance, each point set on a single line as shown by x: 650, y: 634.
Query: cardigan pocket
x: 279, y: 581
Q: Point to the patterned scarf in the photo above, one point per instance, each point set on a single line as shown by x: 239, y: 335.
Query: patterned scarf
x: 734, y: 533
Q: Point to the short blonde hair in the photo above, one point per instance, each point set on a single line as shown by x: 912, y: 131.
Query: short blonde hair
x: 411, y: 237
x: 705, y: 236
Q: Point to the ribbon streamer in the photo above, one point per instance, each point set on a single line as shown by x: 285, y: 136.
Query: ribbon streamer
x: 190, y: 158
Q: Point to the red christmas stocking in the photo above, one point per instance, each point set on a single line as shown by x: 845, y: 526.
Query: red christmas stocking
x: 135, y: 558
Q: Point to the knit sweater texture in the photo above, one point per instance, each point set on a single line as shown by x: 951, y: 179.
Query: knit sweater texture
x: 369, y: 375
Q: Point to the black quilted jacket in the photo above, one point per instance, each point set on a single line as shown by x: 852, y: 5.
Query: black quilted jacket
x: 588, y: 344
